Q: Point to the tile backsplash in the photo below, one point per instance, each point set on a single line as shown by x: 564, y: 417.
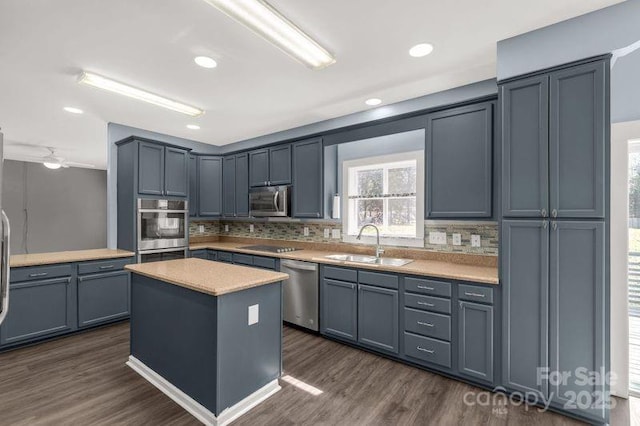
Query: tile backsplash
x: 294, y: 231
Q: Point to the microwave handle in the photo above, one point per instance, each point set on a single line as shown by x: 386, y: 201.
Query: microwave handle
x: 275, y: 200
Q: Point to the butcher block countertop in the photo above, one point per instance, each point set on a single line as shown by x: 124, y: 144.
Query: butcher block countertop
x: 204, y: 276
x: 430, y: 268
x: 37, y: 259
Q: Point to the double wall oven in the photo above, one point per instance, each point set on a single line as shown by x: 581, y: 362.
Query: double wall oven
x: 162, y: 229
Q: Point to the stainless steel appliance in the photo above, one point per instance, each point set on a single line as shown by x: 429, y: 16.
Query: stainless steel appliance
x: 301, y: 293
x: 4, y: 250
x: 270, y: 201
x: 270, y: 249
x: 162, y: 228
x: 162, y: 254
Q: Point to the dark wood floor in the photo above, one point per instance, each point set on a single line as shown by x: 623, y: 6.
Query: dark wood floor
x: 83, y: 380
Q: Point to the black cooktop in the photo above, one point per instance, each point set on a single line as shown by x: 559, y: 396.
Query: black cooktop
x: 270, y: 249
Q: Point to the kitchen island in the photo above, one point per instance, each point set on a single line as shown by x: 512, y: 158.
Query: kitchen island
x: 207, y: 334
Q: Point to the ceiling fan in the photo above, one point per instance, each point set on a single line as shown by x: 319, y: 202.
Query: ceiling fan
x: 50, y: 161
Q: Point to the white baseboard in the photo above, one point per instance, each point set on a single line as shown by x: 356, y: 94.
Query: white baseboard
x: 195, y: 408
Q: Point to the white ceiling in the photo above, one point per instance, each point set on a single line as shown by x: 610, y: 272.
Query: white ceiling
x: 256, y: 89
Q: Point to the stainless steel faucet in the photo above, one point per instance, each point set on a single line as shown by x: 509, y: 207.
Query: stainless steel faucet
x: 379, y: 249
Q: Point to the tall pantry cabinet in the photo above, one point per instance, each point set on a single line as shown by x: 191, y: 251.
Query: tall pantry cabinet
x: 554, y: 258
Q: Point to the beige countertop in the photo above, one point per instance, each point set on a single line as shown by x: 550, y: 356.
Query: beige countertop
x: 431, y: 268
x: 36, y: 259
x: 215, y: 278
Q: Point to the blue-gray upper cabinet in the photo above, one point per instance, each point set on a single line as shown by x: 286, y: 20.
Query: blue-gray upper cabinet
x: 270, y: 166
x: 578, y: 313
x: 193, y: 186
x: 103, y: 298
x: 339, y: 302
x: 525, y: 147
x: 209, y: 186
x: 577, y: 140
x: 525, y: 304
x: 459, y: 162
x: 378, y: 318
x: 475, y: 340
x: 176, y: 172
x: 150, y: 168
x: 236, y: 186
x: 307, y: 199
x: 229, y: 186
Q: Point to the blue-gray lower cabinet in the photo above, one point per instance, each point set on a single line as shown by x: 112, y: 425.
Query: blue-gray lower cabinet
x: 339, y: 307
x: 103, y: 298
x: 475, y: 340
x: 199, y: 254
x: 378, y: 317
x: 39, y: 309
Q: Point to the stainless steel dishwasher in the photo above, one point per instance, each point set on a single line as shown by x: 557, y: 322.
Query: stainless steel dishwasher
x: 300, y: 293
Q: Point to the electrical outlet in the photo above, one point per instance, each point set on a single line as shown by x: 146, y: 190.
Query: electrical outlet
x: 335, y: 234
x: 457, y: 239
x: 251, y: 228
x: 475, y: 240
x: 201, y: 229
x: 226, y: 228
x: 438, y: 238
x: 305, y: 231
x: 326, y: 233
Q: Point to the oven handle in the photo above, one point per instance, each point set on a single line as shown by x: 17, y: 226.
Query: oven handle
x: 275, y: 200
x: 162, y: 211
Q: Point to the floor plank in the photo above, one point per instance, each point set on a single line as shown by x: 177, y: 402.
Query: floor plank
x: 83, y: 380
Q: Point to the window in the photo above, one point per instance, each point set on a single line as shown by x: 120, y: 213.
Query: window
x: 388, y: 192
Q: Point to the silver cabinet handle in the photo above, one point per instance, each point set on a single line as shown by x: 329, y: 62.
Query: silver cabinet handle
x: 429, y: 351
x: 554, y: 213
x: 468, y: 293
x: 40, y: 274
x: 544, y: 224
x: 106, y: 267
x: 554, y: 225
x: 426, y: 324
x: 424, y: 287
x: 544, y: 212
x: 426, y: 304
x: 4, y: 279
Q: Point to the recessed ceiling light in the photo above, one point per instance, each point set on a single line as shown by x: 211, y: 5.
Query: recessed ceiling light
x: 193, y: 127
x: 267, y: 22
x: 420, y: 50
x: 104, y: 83
x: 373, y: 101
x: 73, y: 110
x: 205, y: 62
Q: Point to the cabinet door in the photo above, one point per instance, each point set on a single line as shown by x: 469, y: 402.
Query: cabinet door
x: 242, y: 185
x: 103, y: 298
x: 475, y: 340
x: 378, y: 317
x: 280, y: 165
x: 525, y: 147
x: 150, y: 169
x: 210, y: 186
x: 577, y: 139
x: 176, y: 172
x: 307, y: 179
x: 259, y: 168
x: 459, y: 162
x: 38, y: 309
x: 193, y: 186
x: 525, y: 304
x: 577, y: 317
x: 229, y: 187
x: 339, y: 309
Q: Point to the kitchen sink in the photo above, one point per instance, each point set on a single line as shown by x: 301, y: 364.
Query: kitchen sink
x: 370, y: 260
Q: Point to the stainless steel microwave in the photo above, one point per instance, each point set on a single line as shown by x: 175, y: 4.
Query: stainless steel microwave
x: 270, y: 201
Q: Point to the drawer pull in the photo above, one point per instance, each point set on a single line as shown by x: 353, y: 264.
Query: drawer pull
x: 429, y: 351
x: 424, y: 287
x: 427, y: 324
x: 39, y: 274
x: 468, y: 293
x: 106, y: 267
x: 426, y: 304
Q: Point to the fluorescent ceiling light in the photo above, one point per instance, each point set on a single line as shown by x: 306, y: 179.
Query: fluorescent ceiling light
x: 193, y: 127
x: 52, y: 166
x: 205, y: 62
x: 267, y: 22
x: 73, y: 110
x: 420, y: 50
x: 373, y: 101
x: 100, y: 82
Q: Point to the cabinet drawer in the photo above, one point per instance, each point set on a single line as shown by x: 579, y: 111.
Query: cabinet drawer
x: 224, y: 256
x: 103, y: 266
x: 427, y: 324
x: 434, y: 304
x: 198, y: 254
x: 378, y: 279
x: 341, y: 274
x: 475, y: 293
x: 212, y: 255
x: 264, y: 262
x: 426, y: 349
x: 428, y: 287
x: 40, y: 272
x: 243, y: 259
